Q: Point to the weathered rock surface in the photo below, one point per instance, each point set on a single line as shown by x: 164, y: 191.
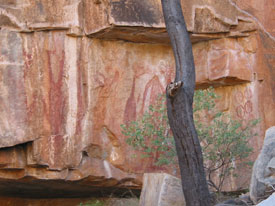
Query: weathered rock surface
x: 137, y: 21
x: 269, y: 201
x: 160, y: 189
x: 65, y: 88
x: 260, y: 11
x: 263, y: 175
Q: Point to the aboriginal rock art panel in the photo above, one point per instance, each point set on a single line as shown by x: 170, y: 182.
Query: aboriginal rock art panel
x: 243, y: 104
x: 154, y: 79
x: 154, y: 84
x: 13, y: 111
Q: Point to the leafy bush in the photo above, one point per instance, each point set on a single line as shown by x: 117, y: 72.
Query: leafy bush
x: 224, y: 140
x: 151, y: 134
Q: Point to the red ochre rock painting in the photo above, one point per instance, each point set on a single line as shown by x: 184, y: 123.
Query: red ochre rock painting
x: 244, y: 106
x: 65, y: 88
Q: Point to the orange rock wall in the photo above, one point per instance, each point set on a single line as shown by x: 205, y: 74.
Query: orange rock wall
x: 71, y: 72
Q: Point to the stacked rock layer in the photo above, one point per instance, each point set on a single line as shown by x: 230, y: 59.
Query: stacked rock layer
x: 71, y: 72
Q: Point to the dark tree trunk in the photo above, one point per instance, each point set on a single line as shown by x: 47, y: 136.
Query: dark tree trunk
x: 180, y: 112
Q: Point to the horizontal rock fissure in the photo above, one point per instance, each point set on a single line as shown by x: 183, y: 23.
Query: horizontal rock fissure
x: 61, y: 189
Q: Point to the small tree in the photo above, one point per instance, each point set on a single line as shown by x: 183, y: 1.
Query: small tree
x: 179, y: 95
x: 224, y: 140
x: 151, y: 134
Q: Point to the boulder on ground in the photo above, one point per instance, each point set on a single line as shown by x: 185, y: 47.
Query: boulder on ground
x: 269, y: 201
x: 263, y: 174
x: 160, y: 189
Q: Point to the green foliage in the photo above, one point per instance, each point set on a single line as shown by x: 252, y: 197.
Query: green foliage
x: 151, y: 134
x: 224, y: 140
x: 92, y: 203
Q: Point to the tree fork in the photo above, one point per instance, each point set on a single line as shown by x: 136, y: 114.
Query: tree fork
x: 180, y: 111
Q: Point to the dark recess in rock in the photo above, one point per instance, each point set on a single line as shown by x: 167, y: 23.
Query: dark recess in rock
x: 134, y: 12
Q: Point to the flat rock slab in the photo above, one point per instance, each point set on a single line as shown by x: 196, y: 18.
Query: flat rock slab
x: 269, y: 201
x: 263, y: 174
x: 160, y: 189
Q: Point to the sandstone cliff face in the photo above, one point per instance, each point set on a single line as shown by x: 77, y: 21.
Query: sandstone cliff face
x: 72, y: 71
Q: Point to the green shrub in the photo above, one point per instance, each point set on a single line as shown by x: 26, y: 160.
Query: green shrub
x: 224, y: 140
x: 151, y: 134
